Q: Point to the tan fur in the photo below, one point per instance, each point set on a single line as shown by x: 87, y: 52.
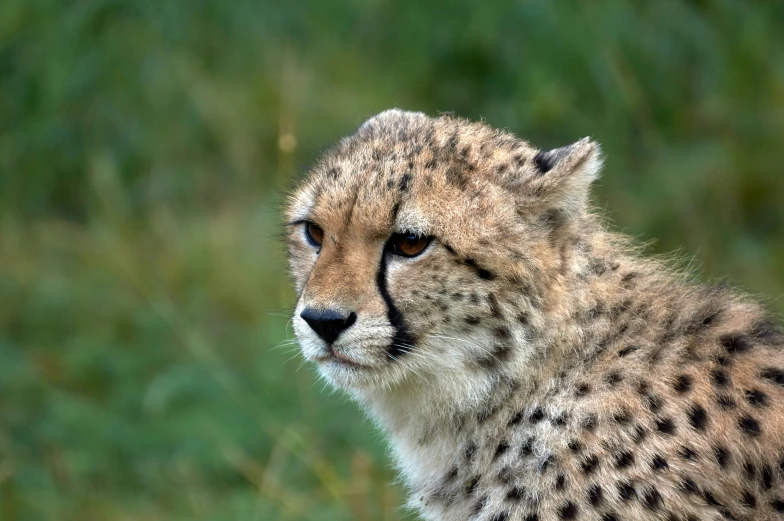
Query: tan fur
x: 546, y: 370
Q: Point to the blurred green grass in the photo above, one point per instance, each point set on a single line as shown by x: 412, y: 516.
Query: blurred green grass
x: 146, y: 368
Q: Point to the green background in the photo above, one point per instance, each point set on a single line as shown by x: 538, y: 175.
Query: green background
x: 146, y: 363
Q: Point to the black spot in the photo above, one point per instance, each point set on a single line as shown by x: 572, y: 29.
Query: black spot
x: 722, y: 456
x: 537, y: 415
x: 643, y: 387
x: 576, y: 446
x: 706, y: 321
x: 595, y: 495
x: 749, y: 425
x: 624, y: 459
x: 596, y: 311
x: 451, y: 475
x: 698, y: 417
x: 709, y: 498
x: 500, y: 516
x: 659, y: 463
x: 665, y: 426
x: 627, y: 350
x: 568, y: 511
x: 623, y: 417
x: 735, y: 343
x: 766, y: 476
x: 778, y: 505
x: 683, y: 384
x: 654, y: 403
x: 723, y: 360
x: 725, y: 401
x: 532, y: 517
x: 560, y: 420
x: 516, y: 419
x: 589, y: 422
x: 590, y: 464
x: 404, y: 182
x: 628, y: 279
x: 597, y: 266
x: 652, y: 498
x: 626, y: 490
x: 748, y: 499
x: 613, y: 378
x: 484, y: 414
x: 757, y: 398
x: 560, y: 482
x: 505, y: 475
x: 479, y: 505
x: 500, y: 353
x: 773, y: 374
x: 720, y: 378
x: 749, y: 469
x: 639, y: 433
x: 610, y: 516
x: 430, y: 165
x: 470, y: 319
x: 527, y: 448
x: 688, y: 454
x: 472, y: 483
x: 502, y: 448
x: 582, y: 390
x: 515, y: 494
x: 542, y: 162
x: 688, y: 485
x: 502, y: 332
x: 495, y: 308
x: 546, y: 463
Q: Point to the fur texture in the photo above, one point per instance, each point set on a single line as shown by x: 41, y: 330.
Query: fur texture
x: 529, y: 364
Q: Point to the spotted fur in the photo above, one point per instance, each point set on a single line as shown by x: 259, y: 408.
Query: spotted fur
x: 529, y: 364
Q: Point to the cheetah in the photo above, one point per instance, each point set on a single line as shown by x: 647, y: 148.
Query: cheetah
x: 527, y: 363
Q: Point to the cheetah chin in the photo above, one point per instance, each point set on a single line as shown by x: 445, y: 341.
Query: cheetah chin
x: 526, y: 362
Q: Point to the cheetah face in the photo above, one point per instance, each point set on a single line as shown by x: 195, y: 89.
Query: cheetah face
x: 408, y: 243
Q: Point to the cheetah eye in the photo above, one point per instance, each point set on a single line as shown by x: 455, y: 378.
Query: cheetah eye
x: 408, y: 244
x: 314, y: 234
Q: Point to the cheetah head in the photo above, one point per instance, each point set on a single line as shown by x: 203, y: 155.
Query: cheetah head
x: 424, y: 247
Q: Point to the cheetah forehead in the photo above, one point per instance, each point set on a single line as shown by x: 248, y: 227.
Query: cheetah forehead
x: 477, y: 189
x: 406, y: 170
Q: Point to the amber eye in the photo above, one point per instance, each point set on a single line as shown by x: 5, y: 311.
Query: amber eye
x: 314, y: 234
x: 408, y: 244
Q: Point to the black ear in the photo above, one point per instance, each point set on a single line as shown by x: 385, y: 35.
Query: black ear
x: 562, y: 177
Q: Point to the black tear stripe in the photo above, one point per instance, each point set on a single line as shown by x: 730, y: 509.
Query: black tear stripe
x: 403, y: 341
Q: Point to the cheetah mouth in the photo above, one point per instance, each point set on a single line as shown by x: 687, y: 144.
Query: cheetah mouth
x: 339, y: 358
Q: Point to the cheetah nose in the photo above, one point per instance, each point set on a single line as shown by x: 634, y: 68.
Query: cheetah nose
x: 328, y: 323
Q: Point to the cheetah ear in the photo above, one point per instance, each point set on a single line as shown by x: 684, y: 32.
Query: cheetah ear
x: 392, y: 122
x: 562, y: 177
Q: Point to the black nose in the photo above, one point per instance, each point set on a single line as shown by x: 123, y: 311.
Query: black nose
x: 328, y: 323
